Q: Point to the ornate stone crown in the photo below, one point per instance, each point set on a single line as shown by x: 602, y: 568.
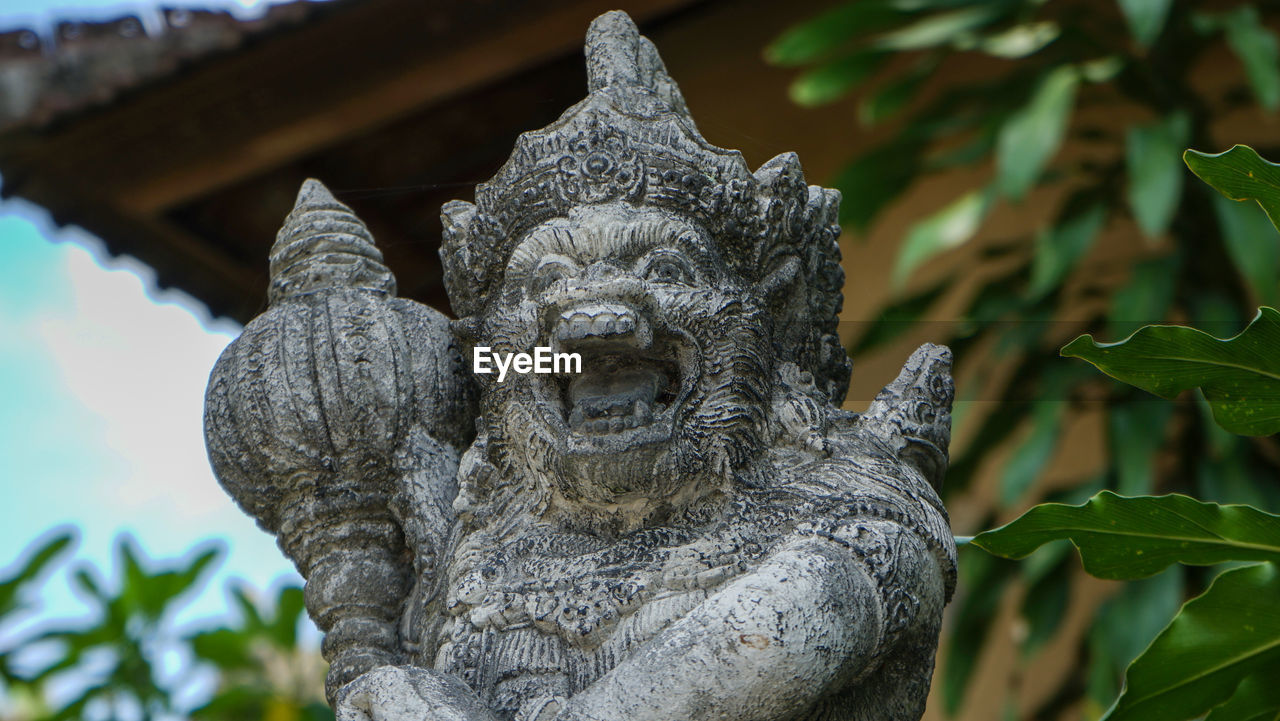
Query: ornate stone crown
x: 632, y: 140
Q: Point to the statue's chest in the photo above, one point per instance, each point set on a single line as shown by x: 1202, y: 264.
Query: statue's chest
x: 552, y: 614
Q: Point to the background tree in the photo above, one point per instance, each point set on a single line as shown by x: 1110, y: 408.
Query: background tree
x: 1117, y: 81
x: 129, y: 659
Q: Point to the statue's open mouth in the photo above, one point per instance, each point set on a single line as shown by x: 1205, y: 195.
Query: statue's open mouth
x: 632, y: 383
x: 618, y: 391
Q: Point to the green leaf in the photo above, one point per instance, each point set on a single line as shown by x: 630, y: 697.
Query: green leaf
x: 1026, y: 330
x: 1232, y: 478
x: 1217, y: 640
x: 971, y: 152
x: 1256, y: 46
x: 1030, y: 458
x: 1020, y: 41
x: 1024, y: 466
x: 997, y: 302
x: 1253, y: 244
x: 1030, y: 138
x: 1257, y: 698
x: 1205, y: 23
x: 948, y: 228
x: 1121, y: 538
x: 1048, y: 591
x: 153, y: 594
x: 1240, y: 174
x: 830, y: 31
x: 289, y: 610
x: 993, y: 428
x: 1146, y: 18
x: 1102, y: 70
x: 317, y: 711
x: 224, y: 648
x: 237, y: 702
x: 1059, y: 248
x: 1152, y: 154
x: 37, y: 561
x: 941, y: 28
x: 1218, y: 442
x: 250, y: 617
x: 1240, y: 376
x: 84, y: 580
x: 829, y: 82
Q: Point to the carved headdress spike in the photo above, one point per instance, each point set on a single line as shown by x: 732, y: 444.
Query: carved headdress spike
x: 323, y: 245
x: 620, y: 58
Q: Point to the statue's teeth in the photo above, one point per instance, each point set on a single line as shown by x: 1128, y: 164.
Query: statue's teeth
x: 603, y: 324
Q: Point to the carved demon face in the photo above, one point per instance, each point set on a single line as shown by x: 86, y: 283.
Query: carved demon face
x: 674, y: 360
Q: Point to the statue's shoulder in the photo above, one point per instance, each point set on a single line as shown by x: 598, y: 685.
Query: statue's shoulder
x: 855, y: 471
x: 906, y: 431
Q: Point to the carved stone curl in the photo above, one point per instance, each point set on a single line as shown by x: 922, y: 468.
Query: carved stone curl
x: 689, y: 528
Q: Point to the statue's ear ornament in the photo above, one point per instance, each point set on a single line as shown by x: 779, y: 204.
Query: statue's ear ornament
x: 633, y: 140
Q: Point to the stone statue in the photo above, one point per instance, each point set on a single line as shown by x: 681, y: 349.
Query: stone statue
x: 687, y: 528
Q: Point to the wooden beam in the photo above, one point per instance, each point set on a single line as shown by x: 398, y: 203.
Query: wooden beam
x: 351, y: 70
x: 181, y: 260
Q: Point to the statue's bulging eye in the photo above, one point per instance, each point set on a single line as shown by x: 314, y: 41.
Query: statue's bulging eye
x: 547, y: 273
x: 667, y: 268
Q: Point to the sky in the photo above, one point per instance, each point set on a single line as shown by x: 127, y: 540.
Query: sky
x: 102, y: 379
x: 101, y: 389
x: 41, y: 15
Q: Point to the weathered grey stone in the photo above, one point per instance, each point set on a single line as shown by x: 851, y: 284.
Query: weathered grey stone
x: 687, y: 529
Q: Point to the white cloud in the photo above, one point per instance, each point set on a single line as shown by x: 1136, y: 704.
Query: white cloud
x: 142, y: 366
x: 114, y: 412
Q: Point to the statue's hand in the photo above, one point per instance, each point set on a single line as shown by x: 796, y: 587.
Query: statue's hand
x: 409, y: 693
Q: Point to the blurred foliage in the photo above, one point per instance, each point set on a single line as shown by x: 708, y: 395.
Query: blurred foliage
x: 264, y: 674
x: 1220, y: 655
x: 1123, y: 84
x: 129, y: 658
x: 1220, y: 645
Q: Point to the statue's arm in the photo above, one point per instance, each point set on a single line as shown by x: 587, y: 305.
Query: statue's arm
x: 808, y: 622
x: 426, y: 467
